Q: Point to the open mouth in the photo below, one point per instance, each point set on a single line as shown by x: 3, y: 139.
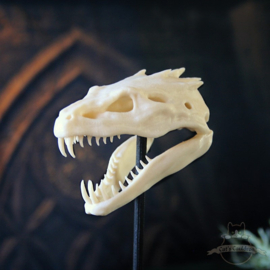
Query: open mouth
x: 123, y: 180
x: 119, y: 175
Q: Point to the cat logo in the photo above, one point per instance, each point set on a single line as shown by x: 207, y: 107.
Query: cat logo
x: 236, y: 248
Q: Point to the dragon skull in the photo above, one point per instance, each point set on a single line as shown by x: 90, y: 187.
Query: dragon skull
x: 147, y: 106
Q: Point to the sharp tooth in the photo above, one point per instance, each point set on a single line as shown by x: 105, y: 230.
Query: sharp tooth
x: 142, y: 163
x: 89, y: 138
x: 104, y: 194
x: 115, y: 159
x: 111, y: 170
x: 77, y: 138
x: 138, y: 169
x: 128, y: 180
x: 119, y: 137
x: 111, y: 139
x: 98, y: 193
x: 81, y: 141
x: 104, y: 140
x: 97, y: 140
x: 91, y: 192
x: 114, y: 166
x: 133, y: 174
x: 61, y: 146
x: 110, y: 177
x: 105, y: 180
x: 114, y: 191
x: 148, y: 158
x: 69, y: 143
x: 121, y: 185
x: 84, y: 193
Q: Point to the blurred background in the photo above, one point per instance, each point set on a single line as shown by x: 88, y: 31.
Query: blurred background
x: 51, y: 53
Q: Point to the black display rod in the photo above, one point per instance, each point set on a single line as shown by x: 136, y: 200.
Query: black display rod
x: 139, y: 210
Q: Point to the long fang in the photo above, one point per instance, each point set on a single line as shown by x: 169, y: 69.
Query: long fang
x: 89, y: 138
x: 69, y: 144
x: 84, y: 193
x: 81, y: 141
x: 61, y: 146
x: 91, y: 192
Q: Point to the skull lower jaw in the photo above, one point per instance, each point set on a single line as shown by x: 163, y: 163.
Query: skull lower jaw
x: 111, y: 195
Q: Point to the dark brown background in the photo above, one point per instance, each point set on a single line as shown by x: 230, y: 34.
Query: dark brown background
x: 50, y: 54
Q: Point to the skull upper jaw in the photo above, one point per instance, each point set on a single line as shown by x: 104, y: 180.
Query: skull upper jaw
x: 128, y: 123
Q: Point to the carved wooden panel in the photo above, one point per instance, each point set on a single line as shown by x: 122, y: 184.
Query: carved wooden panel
x: 43, y: 224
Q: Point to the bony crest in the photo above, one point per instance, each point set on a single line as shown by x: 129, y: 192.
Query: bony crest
x: 140, y: 73
x: 147, y: 106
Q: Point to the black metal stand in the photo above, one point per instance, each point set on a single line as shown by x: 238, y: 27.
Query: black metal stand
x: 139, y: 211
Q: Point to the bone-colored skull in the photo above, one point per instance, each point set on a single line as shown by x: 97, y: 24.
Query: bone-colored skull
x: 147, y: 106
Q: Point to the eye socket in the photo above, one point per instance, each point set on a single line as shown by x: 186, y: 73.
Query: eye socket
x: 188, y: 105
x: 157, y: 99
x: 122, y: 104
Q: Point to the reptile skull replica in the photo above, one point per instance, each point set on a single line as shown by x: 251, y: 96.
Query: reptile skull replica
x: 147, y: 106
